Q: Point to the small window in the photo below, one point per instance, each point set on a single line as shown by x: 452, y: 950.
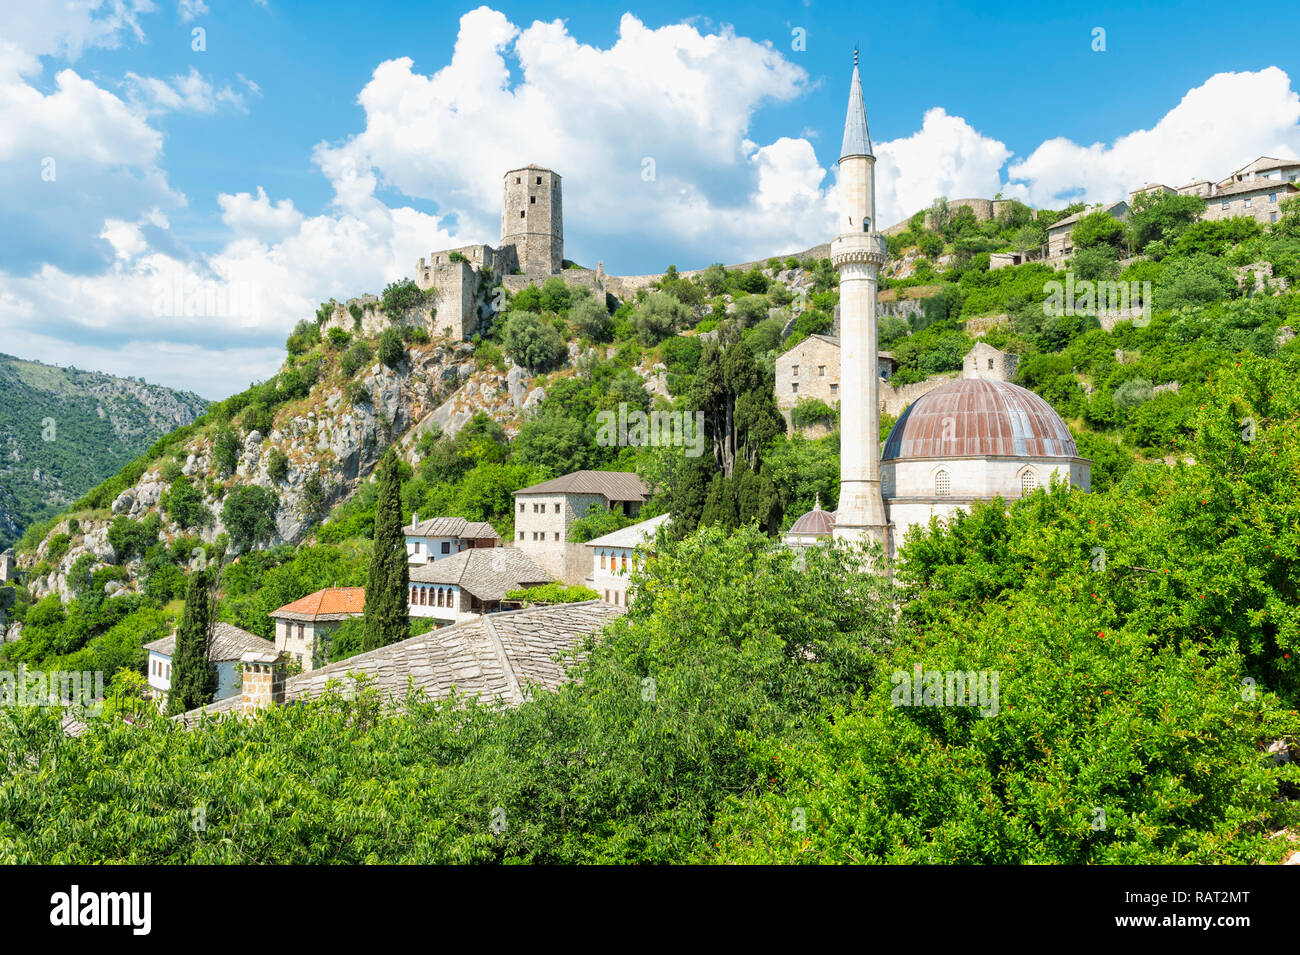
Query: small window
x: 834, y: 388
x: 521, y: 213
x: 990, y: 364
x: 941, y: 484
x: 1272, y: 197
x: 1248, y: 202
x: 532, y: 200
x: 821, y: 371
x: 521, y: 507
x: 417, y: 547
x: 794, y: 371
x: 521, y: 535
x: 518, y: 180
x: 557, y: 508
x: 795, y: 387
x: 539, y: 180
x: 602, y: 562
x: 557, y: 535
x: 1272, y: 217
x: 1225, y: 203
x: 446, y: 547
x: 1028, y: 482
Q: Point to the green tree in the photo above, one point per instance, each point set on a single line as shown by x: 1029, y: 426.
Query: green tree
x: 1098, y: 228
x: 532, y: 341
x: 249, y: 515
x: 194, y: 678
x: 389, y: 577
x: 391, y: 351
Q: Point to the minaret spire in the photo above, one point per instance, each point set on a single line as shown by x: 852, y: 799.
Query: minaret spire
x: 858, y: 252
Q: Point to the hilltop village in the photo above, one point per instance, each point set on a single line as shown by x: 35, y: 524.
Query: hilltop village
x: 521, y: 561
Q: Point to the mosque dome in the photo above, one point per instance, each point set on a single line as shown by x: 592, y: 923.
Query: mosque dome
x: 815, y: 523
x: 977, y: 417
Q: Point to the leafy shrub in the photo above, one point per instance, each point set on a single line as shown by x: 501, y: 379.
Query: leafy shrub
x: 401, y: 295
x: 591, y: 320
x: 657, y: 316
x: 225, y: 451
x: 355, y: 358
x: 531, y: 341
x: 183, y: 503
x: 249, y: 515
x: 277, y: 465
x: 812, y: 411
x: 391, y: 352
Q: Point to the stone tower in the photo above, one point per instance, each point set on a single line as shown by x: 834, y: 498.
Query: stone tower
x: 532, y: 222
x: 858, y: 252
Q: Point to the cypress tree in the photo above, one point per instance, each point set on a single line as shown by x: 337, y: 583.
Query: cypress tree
x: 389, y: 579
x: 194, y: 679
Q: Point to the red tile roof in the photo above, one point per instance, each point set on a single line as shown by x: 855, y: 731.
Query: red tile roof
x: 327, y: 603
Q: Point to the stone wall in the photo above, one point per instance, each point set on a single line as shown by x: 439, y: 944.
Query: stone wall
x: 811, y: 369
x: 1263, y: 205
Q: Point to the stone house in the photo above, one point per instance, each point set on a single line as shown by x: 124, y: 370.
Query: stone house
x: 811, y: 369
x: 1059, y: 244
x: 470, y: 583
x: 1265, y: 168
x: 985, y: 361
x: 545, y: 513
x: 439, y: 537
x: 615, y: 555
x: 229, y: 644
x: 495, y: 658
x: 1258, y: 199
x: 302, y: 628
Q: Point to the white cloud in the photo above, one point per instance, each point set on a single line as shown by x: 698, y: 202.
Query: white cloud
x: 69, y: 27
x: 189, y: 10
x: 184, y: 93
x: 945, y: 157
x: 255, y: 217
x: 1217, y: 127
x: 675, y: 95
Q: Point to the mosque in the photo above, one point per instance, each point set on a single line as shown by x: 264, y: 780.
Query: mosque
x: 970, y: 440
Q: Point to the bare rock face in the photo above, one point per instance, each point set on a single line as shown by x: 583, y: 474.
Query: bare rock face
x: 123, y: 502
x: 515, y: 385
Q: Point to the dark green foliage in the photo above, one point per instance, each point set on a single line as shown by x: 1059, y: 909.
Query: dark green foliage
x: 355, y: 358
x: 388, y: 580
x: 249, y: 515
x: 277, y: 465
x: 812, y: 411
x: 658, y: 316
x: 401, y: 295
x: 1161, y: 217
x: 225, y: 451
x: 338, y: 339
x: 131, y: 538
x: 194, y: 678
x: 532, y: 341
x: 391, y: 352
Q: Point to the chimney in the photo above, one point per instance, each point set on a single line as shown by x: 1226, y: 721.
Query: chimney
x: 415, y: 518
x: 263, y: 680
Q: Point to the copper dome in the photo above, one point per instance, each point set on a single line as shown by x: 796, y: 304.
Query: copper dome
x: 816, y: 522
x: 976, y: 416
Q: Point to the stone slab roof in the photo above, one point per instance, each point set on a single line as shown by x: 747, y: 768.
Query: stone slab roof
x: 1255, y: 185
x: 493, y: 657
x: 614, y: 485
x: 332, y: 603
x: 485, y: 572
x: 634, y: 535
x: 451, y: 527
x: 228, y: 643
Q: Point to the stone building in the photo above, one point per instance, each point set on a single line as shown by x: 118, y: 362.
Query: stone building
x: 494, y: 658
x: 302, y: 628
x: 8, y: 566
x: 439, y: 537
x: 985, y: 361
x: 1265, y: 168
x: 229, y: 644
x: 1258, y: 199
x: 545, y: 513
x: 471, y: 583
x: 1059, y: 243
x: 532, y: 220
x: 811, y: 369
x: 615, y: 555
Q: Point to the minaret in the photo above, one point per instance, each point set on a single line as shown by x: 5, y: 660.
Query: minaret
x: 858, y: 252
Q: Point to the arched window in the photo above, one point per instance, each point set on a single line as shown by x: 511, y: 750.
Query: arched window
x: 1028, y: 482
x: 413, y: 592
x: 941, y: 484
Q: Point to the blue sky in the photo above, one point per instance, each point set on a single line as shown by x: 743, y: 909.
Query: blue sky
x: 161, y: 150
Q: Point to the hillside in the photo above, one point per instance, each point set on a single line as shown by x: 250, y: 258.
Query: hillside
x: 63, y: 430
